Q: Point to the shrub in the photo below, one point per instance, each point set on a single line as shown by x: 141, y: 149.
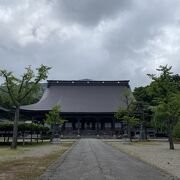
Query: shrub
x: 24, y: 127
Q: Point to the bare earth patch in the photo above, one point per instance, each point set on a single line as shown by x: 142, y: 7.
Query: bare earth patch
x: 29, y: 162
x: 155, y: 153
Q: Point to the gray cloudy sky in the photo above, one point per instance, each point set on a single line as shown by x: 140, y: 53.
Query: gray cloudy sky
x: 95, y: 39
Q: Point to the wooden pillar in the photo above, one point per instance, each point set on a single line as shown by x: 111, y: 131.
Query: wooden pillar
x: 78, y: 126
x: 73, y: 124
x: 97, y: 127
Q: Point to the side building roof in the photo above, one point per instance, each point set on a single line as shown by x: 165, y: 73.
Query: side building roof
x: 84, y: 96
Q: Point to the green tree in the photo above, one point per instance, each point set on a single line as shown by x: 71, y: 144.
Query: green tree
x: 168, y: 114
x: 165, y: 89
x: 31, y: 99
x: 176, y: 130
x: 19, y: 90
x: 144, y: 114
x: 53, y: 118
x: 142, y: 95
x: 127, y: 113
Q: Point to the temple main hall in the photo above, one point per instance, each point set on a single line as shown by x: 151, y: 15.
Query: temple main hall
x: 88, y: 106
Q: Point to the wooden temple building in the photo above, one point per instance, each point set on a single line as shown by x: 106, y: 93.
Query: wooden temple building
x: 88, y: 106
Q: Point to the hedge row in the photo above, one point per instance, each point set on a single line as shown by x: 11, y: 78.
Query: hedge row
x: 24, y: 127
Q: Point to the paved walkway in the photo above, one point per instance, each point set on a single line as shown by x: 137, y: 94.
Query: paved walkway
x: 92, y: 159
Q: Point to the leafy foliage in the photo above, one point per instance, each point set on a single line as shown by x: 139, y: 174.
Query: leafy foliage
x: 143, y: 95
x: 18, y: 91
x: 164, y: 85
x: 127, y: 113
x: 53, y: 117
x: 132, y: 120
x: 176, y: 130
x: 54, y: 120
x: 169, y: 111
x: 140, y: 94
x: 24, y: 127
x: 161, y: 99
x: 128, y: 116
x: 165, y: 89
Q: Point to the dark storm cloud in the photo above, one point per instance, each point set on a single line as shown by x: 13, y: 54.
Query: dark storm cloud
x: 90, y: 12
x: 96, y: 39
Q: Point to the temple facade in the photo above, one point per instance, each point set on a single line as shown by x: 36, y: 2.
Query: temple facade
x: 88, y: 106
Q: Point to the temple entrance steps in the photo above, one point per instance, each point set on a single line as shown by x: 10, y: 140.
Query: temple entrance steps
x: 88, y: 134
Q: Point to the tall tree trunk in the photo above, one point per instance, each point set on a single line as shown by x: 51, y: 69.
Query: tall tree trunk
x: 53, y: 133
x: 51, y: 137
x: 170, y: 137
x: 15, y: 129
x: 145, y: 131
x: 144, y: 126
x: 129, y: 132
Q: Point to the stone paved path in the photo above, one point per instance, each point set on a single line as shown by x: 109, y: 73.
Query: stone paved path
x: 92, y: 159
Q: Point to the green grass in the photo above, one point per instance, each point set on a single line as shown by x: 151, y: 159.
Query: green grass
x: 5, y: 150
x: 29, y: 168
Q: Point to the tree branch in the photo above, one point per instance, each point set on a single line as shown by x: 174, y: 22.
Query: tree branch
x: 9, y: 89
x: 42, y: 74
x: 29, y: 91
x: 25, y: 79
x: 22, y: 82
x: 1, y: 89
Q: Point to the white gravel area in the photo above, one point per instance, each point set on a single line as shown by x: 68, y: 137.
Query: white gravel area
x: 155, y: 153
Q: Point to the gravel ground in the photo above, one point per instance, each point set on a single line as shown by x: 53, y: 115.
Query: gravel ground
x: 155, y: 153
x: 92, y: 159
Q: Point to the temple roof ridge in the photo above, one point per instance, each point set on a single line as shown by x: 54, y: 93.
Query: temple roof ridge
x: 86, y: 79
x: 88, y: 82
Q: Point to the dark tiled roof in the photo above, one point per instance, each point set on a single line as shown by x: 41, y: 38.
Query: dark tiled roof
x: 82, y: 96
